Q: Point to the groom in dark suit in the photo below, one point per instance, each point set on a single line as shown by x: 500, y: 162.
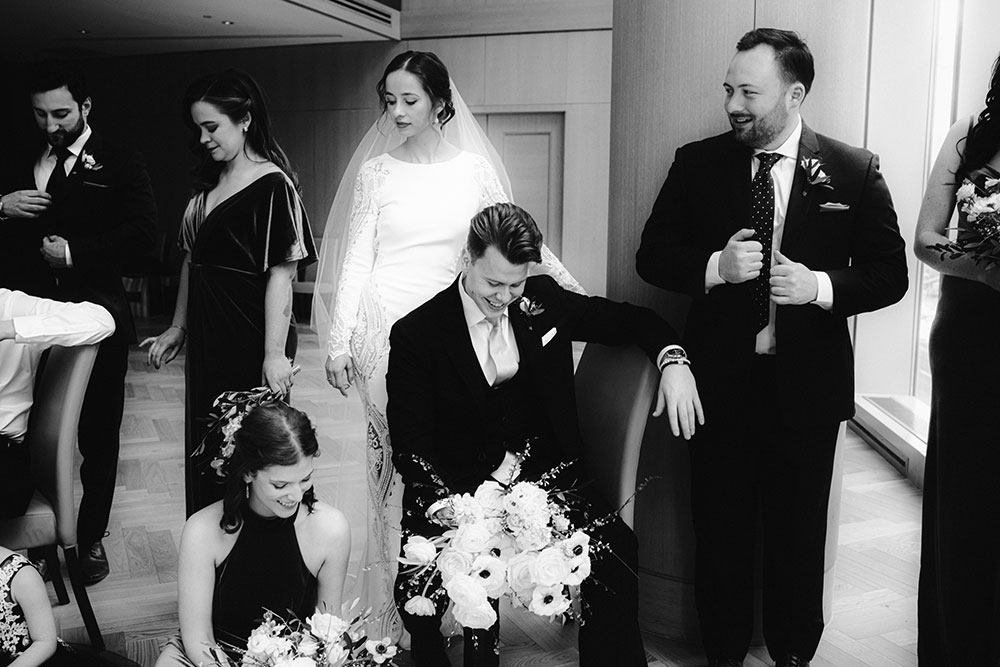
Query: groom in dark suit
x: 779, y: 234
x: 73, y: 211
x: 484, y: 367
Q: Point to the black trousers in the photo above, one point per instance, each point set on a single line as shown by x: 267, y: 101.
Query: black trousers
x: 100, y: 422
x: 16, y: 487
x: 767, y: 474
x: 610, y: 631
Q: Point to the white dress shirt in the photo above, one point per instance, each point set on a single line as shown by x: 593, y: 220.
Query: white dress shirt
x: 38, y: 324
x: 783, y: 174
x: 47, y: 163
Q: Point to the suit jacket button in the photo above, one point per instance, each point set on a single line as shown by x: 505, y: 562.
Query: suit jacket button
x: 482, y: 457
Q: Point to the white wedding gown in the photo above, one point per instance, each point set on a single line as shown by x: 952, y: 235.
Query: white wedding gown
x: 408, y: 226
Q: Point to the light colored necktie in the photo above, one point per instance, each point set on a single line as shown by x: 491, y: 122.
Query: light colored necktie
x: 501, y: 364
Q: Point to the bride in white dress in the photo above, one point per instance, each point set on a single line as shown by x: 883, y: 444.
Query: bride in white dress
x: 406, y: 225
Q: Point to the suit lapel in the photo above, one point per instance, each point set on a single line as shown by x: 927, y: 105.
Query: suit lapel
x: 802, y: 193
x: 736, y: 176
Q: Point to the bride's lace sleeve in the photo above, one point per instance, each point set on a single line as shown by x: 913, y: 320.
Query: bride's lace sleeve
x: 493, y: 193
x: 359, y: 258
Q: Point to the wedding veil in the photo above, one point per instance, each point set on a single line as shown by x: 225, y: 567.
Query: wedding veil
x: 462, y: 131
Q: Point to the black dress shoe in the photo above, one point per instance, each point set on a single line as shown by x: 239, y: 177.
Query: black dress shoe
x: 792, y: 660
x: 94, y: 563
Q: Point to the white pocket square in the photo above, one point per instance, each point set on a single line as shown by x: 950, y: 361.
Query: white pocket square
x: 549, y: 335
x: 833, y: 206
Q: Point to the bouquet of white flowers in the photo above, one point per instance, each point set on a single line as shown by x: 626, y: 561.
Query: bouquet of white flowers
x: 512, y: 540
x: 981, y: 239
x: 322, y: 640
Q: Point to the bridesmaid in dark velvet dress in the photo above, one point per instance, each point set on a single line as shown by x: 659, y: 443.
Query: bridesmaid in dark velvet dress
x: 269, y: 544
x: 244, y: 234
x: 959, y: 594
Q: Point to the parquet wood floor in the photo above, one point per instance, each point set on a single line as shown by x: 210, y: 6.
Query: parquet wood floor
x: 874, y: 620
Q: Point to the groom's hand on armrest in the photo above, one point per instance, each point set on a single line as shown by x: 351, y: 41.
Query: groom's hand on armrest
x: 678, y: 395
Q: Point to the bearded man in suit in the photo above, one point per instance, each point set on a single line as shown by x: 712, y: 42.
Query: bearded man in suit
x: 72, y: 213
x: 484, y: 367
x: 800, y: 234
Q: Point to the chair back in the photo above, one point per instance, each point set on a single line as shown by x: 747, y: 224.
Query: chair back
x: 614, y: 394
x: 52, y: 428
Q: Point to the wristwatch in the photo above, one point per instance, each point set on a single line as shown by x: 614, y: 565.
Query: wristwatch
x: 674, y: 355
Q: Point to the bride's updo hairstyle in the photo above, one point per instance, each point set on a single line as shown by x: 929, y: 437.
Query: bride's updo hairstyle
x: 235, y: 94
x: 984, y: 138
x: 272, y: 434
x: 431, y: 73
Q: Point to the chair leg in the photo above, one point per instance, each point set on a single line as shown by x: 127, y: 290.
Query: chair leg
x: 55, y: 573
x: 82, y: 600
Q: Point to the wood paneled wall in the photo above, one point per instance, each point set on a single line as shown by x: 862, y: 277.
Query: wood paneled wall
x: 322, y: 101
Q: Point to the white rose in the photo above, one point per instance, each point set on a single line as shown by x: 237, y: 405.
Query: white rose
x: 549, y: 601
x: 550, y: 568
x: 490, y: 497
x: 526, y: 499
x: 471, y: 538
x: 327, y: 627
x: 466, y: 591
x: 452, y: 562
x: 418, y: 550
x: 480, y: 617
x: 419, y: 605
x: 258, y: 643
x: 519, y: 572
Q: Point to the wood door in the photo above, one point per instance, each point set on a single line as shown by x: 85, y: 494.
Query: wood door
x: 531, y: 147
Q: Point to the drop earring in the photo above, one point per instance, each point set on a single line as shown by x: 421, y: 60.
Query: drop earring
x: 248, y: 491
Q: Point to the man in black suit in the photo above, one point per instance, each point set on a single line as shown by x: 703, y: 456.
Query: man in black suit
x: 776, y: 258
x: 74, y: 210
x: 484, y: 367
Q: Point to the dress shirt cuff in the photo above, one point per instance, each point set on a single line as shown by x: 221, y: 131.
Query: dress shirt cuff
x: 509, y: 469
x: 712, y: 277
x: 824, y: 290
x: 435, y: 506
x: 69, y: 257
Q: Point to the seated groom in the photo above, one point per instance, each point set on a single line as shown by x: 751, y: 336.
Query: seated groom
x: 476, y: 372
x: 28, y: 326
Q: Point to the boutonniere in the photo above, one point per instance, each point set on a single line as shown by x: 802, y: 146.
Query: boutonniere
x: 89, y: 162
x: 814, y: 172
x: 530, y: 309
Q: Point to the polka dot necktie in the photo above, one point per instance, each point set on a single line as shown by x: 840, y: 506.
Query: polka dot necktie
x: 762, y: 221
x: 57, y: 180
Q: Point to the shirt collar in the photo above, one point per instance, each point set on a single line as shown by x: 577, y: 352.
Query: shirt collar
x: 77, y: 146
x: 473, y: 316
x: 791, y: 146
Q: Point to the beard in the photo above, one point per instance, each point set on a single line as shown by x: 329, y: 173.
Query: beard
x: 764, y: 130
x: 65, y: 138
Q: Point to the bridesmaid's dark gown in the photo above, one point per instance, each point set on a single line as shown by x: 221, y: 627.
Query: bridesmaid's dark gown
x: 959, y: 595
x: 232, y: 249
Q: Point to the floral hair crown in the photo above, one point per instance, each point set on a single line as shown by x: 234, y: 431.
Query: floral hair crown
x: 226, y: 418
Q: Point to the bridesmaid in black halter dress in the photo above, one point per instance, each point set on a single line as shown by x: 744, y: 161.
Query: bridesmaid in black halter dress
x: 959, y: 594
x: 269, y: 544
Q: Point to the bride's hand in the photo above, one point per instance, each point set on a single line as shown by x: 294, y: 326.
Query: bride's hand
x: 340, y: 372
